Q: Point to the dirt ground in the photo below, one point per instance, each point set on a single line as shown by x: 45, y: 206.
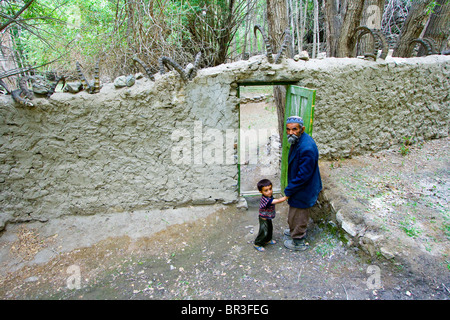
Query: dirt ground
x: 259, y: 118
x: 211, y: 256
x: 400, y: 199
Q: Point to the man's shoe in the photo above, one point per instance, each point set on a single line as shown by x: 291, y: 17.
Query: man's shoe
x: 296, y: 245
x: 287, y: 233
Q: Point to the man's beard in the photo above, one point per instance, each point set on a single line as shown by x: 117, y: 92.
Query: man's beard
x: 292, y: 138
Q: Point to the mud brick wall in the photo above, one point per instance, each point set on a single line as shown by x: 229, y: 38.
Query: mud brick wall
x: 364, y: 108
x: 171, y: 143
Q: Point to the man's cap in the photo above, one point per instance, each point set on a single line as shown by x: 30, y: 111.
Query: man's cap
x: 295, y: 119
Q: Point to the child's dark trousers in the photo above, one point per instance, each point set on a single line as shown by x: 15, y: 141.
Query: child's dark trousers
x: 265, y: 232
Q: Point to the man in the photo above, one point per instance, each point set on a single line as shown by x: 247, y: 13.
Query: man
x: 304, y: 182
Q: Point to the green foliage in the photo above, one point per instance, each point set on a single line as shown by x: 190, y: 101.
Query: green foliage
x: 39, y: 34
x: 431, y: 7
x: 408, y: 225
x: 116, y: 30
x: 404, y: 149
x: 446, y: 229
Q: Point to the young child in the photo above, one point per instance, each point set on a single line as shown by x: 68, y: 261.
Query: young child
x: 266, y: 214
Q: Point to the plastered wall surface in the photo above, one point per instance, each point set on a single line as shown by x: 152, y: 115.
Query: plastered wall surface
x: 171, y: 143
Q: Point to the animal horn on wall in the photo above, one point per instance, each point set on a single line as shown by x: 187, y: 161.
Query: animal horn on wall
x: 287, y: 38
x: 96, y: 87
x: 432, y: 44
x: 4, y: 85
x: 426, y: 44
x: 167, y: 61
x: 16, y: 97
x: 53, y: 87
x: 82, y: 78
x: 24, y: 88
x: 193, y: 72
x: 23, y: 91
x: 266, y: 41
x: 381, y: 43
x: 378, y: 38
x: 146, y: 68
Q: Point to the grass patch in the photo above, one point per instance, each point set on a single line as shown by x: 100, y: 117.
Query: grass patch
x: 408, y: 225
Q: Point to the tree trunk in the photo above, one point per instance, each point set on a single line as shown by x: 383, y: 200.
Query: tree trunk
x: 371, y: 18
x: 303, y: 26
x: 246, y: 34
x: 277, y: 18
x: 334, y: 12
x: 414, y: 24
x: 352, y: 19
x: 438, y: 27
x: 130, y: 23
x: 225, y: 34
x: 316, y: 41
x: 292, y: 22
x: 342, y: 18
x: 255, y: 21
x: 297, y: 29
x: 7, y: 60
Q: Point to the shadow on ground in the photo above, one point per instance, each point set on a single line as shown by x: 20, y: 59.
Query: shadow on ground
x: 214, y: 258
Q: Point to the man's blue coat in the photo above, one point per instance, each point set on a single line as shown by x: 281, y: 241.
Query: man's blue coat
x: 304, y: 182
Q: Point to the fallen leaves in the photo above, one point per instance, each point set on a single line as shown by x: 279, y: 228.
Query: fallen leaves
x: 29, y: 243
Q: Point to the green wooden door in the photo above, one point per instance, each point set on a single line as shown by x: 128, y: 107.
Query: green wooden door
x: 299, y: 102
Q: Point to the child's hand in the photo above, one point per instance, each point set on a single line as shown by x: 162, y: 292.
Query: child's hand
x: 279, y: 200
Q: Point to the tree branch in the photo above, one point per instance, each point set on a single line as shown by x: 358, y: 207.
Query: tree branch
x: 25, y: 7
x: 13, y: 72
